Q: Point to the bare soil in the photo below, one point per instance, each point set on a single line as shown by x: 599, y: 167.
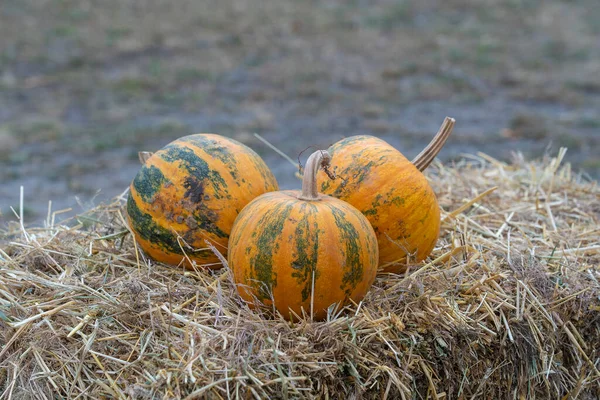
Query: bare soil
x: 85, y: 85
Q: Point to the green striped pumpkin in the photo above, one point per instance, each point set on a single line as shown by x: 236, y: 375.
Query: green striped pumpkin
x: 191, y: 191
x: 302, y: 251
x: 391, y: 192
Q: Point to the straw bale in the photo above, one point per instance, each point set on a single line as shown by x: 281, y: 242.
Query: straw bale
x: 507, y: 306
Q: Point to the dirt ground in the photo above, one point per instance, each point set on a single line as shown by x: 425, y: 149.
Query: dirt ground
x: 85, y: 85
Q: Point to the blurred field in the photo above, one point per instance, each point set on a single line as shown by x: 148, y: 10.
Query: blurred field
x: 84, y: 85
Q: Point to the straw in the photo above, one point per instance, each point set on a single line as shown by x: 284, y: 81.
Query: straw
x: 506, y: 306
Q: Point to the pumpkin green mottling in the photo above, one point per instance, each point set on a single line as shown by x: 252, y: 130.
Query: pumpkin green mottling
x: 147, y: 229
x: 216, y: 150
x: 197, y: 168
x: 306, y: 250
x: 148, y: 182
x: 267, y: 239
x: 353, y: 265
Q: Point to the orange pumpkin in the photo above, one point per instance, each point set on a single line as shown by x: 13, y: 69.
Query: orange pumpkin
x: 191, y: 191
x: 302, y: 251
x: 391, y: 192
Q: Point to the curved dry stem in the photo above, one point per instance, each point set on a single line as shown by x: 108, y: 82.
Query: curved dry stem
x: 144, y: 156
x: 318, y: 159
x: 425, y: 158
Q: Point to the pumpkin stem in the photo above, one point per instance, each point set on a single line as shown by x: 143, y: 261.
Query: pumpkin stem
x: 318, y: 159
x: 425, y: 158
x: 144, y: 156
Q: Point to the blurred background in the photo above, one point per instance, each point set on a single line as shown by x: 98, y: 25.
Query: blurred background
x: 85, y: 85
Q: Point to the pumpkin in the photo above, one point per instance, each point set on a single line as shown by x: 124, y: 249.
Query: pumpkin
x: 302, y: 252
x: 191, y: 191
x: 391, y: 192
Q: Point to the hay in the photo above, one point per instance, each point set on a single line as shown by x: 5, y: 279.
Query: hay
x: 508, y: 306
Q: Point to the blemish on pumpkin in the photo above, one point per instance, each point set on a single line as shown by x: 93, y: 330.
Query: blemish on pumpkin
x: 194, y: 189
x: 191, y: 222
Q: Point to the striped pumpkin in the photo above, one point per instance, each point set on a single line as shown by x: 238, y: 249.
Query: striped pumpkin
x: 302, y: 251
x: 192, y: 190
x: 391, y: 192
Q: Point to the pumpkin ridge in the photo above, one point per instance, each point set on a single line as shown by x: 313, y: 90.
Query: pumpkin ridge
x: 305, y: 253
x: 353, y: 270
x: 365, y: 225
x: 261, y: 265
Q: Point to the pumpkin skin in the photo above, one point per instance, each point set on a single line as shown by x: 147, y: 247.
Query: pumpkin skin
x: 194, y: 188
x: 279, y: 240
x: 391, y: 192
